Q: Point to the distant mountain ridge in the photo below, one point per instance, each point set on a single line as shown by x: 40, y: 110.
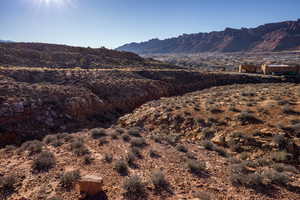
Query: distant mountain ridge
x: 269, y: 37
x: 5, y: 41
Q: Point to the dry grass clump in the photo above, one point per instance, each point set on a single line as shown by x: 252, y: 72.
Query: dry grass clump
x: 78, y: 147
x: 98, y: 133
x: 134, y: 187
x: 7, y: 185
x: 121, y: 167
x: 126, y: 138
x: 108, y: 157
x: 195, y: 167
x: 134, y: 132
x: 68, y: 179
x: 44, y: 161
x: 158, y: 179
x: 33, y: 147
x: 248, y: 118
x: 181, y: 148
x: 138, y: 142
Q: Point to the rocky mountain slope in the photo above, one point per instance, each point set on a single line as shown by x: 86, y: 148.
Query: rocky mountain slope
x: 269, y: 37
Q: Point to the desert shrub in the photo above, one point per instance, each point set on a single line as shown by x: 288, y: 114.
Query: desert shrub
x: 221, y: 151
x: 114, y: 136
x: 153, y: 153
x: 248, y: 94
x: 195, y: 167
x: 33, y: 147
x: 10, y: 148
x: 278, y: 178
x: 98, y: 133
x: 288, y: 110
x: 157, y: 138
x: 207, y: 144
x: 68, y: 179
x: 49, y: 139
x: 87, y: 160
x: 102, y: 142
x: 7, y: 184
x: 244, y: 155
x: 65, y: 136
x: 295, y: 128
x: 247, y: 180
x: 130, y: 159
x: 78, y: 147
x: 283, y: 102
x: 281, y: 156
x: 208, y: 133
x: 54, y: 198
x: 108, y: 157
x: 120, y: 131
x: 202, y: 196
x: 248, y: 118
x: 171, y: 140
x: 136, y: 152
x: 280, y: 167
x: 181, y: 148
x: 44, y: 161
x: 134, y: 132
x: 121, y: 167
x: 134, y: 187
x: 280, y: 140
x: 215, y: 110
x: 126, y: 138
x: 138, y: 142
x: 158, y: 179
x: 233, y: 109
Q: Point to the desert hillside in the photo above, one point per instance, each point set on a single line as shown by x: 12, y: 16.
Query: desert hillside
x: 269, y: 37
x: 63, y: 56
x: 226, y: 142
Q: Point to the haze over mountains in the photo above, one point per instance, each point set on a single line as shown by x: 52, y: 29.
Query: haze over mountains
x: 269, y: 37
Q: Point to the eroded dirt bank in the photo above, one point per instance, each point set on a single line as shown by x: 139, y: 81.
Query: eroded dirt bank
x: 36, y: 102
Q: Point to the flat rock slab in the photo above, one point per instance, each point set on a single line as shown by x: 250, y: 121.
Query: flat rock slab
x: 90, y: 185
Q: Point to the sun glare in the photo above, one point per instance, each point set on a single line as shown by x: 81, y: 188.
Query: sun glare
x: 54, y: 2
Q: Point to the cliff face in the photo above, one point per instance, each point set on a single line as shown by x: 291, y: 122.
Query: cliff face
x: 269, y: 37
x: 35, y: 102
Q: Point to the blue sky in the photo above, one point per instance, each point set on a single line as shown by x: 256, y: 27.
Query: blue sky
x: 111, y: 23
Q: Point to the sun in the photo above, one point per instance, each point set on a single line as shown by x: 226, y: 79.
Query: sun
x: 54, y: 2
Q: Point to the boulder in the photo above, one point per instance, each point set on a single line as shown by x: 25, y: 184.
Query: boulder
x: 90, y: 185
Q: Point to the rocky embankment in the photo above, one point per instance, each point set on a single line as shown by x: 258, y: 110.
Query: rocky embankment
x: 36, y: 102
